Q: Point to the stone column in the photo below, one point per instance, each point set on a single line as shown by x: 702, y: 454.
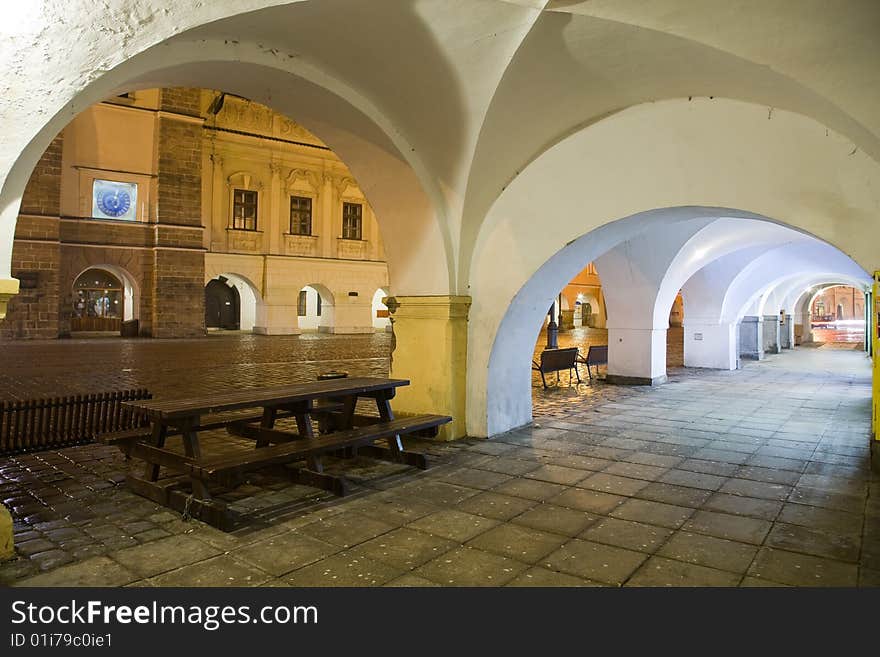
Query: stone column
x: 771, y: 339
x: 353, y: 314
x: 708, y: 344
x: 179, y: 267
x: 36, y: 256
x: 276, y: 210
x: 751, y: 337
x: 636, y: 356
x: 786, y: 333
x: 430, y: 349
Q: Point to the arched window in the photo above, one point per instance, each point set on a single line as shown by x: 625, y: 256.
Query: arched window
x: 98, y: 301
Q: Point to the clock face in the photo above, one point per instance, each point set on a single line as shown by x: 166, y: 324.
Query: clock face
x: 114, y: 200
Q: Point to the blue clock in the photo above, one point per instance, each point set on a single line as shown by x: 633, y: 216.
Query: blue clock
x: 114, y: 200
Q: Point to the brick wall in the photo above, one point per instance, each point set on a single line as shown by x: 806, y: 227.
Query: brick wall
x: 179, y: 293
x: 179, y: 261
x: 34, y: 312
x: 42, y: 195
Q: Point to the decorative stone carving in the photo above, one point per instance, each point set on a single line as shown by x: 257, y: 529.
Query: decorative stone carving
x: 352, y: 249
x: 241, y: 240
x: 241, y: 113
x: 310, y: 176
x: 342, y: 182
x: 301, y: 245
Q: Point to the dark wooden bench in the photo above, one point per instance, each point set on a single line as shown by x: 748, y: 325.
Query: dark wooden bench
x: 596, y: 355
x: 556, y: 360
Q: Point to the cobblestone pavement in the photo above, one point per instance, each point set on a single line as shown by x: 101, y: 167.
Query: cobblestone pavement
x: 757, y: 477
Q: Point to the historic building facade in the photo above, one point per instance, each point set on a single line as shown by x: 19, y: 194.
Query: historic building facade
x: 184, y: 209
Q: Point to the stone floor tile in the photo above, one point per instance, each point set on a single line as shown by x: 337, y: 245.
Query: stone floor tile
x: 343, y: 569
x: 819, y: 518
x: 724, y: 525
x: 750, y: 582
x: 801, y: 569
x: 796, y: 538
x: 530, y: 489
x: 588, y: 500
x: 636, y: 470
x: 557, y: 474
x: 518, y: 542
x: 692, y: 479
x: 744, y: 506
x: 826, y: 499
x: 541, y: 577
x: 627, y: 534
x: 556, y: 519
x: 163, y: 555
x: 769, y: 475
x: 653, y: 513
x: 759, y: 489
x: 279, y: 554
x: 393, y: 509
x: 473, y: 478
x: 455, y: 525
x: 709, y: 551
x: 611, y: 483
x: 659, y: 571
x: 346, y: 529
x: 594, y: 561
x: 217, y: 571
x: 496, y: 506
x: 467, y: 566
x: 404, y: 548
x: 98, y: 571
x: 508, y: 466
x: 411, y: 581
x: 672, y: 494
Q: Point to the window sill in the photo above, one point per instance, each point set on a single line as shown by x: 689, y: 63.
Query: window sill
x: 243, y: 230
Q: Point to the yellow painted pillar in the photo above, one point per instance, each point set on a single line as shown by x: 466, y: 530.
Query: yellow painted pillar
x: 875, y: 387
x: 430, y: 349
x: 8, y: 289
x: 6, y: 548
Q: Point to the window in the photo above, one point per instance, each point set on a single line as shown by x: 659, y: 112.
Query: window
x: 300, y: 215
x: 244, y: 209
x: 301, y: 304
x: 319, y: 305
x: 352, y: 219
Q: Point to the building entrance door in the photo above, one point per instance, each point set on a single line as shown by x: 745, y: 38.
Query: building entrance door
x: 221, y: 305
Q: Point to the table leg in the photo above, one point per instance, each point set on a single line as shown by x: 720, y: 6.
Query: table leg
x: 192, y: 449
x: 394, y: 443
x: 160, y: 431
x: 267, y: 422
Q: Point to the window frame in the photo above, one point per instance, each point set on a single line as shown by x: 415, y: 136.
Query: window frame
x: 360, y: 220
x: 311, y: 216
x: 244, y: 219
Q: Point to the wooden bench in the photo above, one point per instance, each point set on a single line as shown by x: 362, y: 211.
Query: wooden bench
x: 596, y: 355
x: 341, y: 431
x: 555, y: 360
x: 288, y: 447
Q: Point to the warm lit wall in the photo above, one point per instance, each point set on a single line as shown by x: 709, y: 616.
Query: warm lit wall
x: 850, y: 300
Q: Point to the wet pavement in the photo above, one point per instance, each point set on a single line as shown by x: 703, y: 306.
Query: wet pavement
x: 757, y: 477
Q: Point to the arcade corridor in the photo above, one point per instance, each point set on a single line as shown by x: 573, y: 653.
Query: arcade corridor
x: 755, y: 477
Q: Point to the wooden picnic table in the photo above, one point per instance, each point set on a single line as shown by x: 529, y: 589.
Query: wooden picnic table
x: 332, y: 403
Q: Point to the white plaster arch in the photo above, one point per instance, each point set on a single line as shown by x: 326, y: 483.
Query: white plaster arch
x: 251, y: 305
x: 408, y: 205
x: 326, y: 321
x: 788, y: 168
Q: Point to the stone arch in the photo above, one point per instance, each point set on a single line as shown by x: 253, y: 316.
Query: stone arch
x: 798, y: 156
x: 324, y: 322
x: 410, y: 209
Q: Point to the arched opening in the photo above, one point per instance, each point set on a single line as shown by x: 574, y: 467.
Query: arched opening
x: 314, y: 308
x: 103, y: 297
x: 222, y: 305
x: 379, y: 311
x: 649, y: 261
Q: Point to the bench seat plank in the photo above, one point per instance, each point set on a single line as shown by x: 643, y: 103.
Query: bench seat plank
x: 303, y: 447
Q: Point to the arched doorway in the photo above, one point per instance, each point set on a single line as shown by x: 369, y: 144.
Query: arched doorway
x: 222, y: 304
x: 100, y: 302
x: 381, y: 320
